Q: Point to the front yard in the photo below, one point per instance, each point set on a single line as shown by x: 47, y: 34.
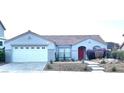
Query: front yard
x: 67, y: 66
x: 78, y: 66
x: 113, y: 67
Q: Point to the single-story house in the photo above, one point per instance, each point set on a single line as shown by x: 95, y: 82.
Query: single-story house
x: 32, y: 47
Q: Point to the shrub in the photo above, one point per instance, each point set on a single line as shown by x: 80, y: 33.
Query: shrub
x: 120, y: 55
x: 96, y: 53
x: 73, y: 60
x: 49, y: 66
x: 114, y: 54
x: 2, y: 55
x: 99, y: 54
x: 114, y: 69
x: 51, y: 61
x: 103, y: 62
x: 108, y: 54
x: 85, y: 68
x: 90, y: 54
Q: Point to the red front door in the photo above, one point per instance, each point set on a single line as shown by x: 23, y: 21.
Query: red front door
x: 80, y: 53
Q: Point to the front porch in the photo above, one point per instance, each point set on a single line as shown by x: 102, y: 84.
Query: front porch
x: 65, y: 53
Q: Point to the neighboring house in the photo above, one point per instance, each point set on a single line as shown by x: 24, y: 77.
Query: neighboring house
x: 2, y: 29
x: 122, y: 47
x: 112, y: 46
x: 31, y: 47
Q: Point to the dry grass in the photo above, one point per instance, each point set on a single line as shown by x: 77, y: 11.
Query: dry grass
x: 66, y: 66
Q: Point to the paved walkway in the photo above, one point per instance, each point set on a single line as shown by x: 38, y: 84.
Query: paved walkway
x: 94, y: 66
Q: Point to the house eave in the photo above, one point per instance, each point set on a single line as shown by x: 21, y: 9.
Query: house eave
x: 2, y: 25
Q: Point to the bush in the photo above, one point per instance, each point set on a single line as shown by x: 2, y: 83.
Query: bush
x: 73, y: 60
x: 118, y: 55
x: 114, y: 69
x: 108, y: 54
x: 103, y: 62
x: 114, y: 54
x: 96, y: 53
x: 49, y: 66
x: 85, y: 68
x: 2, y: 55
x: 90, y: 54
x: 99, y: 54
x: 51, y: 61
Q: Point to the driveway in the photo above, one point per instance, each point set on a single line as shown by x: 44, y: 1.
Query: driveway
x: 23, y: 67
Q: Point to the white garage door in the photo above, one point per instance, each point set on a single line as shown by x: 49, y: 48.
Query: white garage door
x: 30, y: 54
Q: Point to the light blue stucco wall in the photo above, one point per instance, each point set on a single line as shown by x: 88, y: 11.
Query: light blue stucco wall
x: 29, y: 39
x: 89, y: 44
x: 1, y: 32
x: 2, y: 42
x: 2, y: 36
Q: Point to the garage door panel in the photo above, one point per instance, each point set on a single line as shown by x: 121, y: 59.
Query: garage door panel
x: 30, y: 55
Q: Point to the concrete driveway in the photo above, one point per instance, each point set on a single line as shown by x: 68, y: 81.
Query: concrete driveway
x: 23, y: 67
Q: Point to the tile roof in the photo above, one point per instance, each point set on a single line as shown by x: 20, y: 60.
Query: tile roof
x: 64, y: 39
x: 71, y: 39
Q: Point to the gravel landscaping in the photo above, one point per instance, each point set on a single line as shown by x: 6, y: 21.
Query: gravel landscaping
x: 67, y: 66
x: 113, y: 67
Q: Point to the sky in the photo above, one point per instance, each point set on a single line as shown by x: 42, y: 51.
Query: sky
x: 64, y: 17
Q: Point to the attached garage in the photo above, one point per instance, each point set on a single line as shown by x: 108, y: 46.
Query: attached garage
x: 29, y: 53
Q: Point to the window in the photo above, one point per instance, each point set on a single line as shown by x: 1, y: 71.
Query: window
x: 96, y: 47
x: 1, y: 43
x: 43, y: 47
x: 32, y: 47
x: 27, y: 47
x: 21, y: 47
x: 64, y: 53
x: 38, y: 47
x: 16, y: 47
x: 61, y: 53
x: 67, y: 52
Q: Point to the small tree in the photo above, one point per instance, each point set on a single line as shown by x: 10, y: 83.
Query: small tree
x: 2, y: 55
